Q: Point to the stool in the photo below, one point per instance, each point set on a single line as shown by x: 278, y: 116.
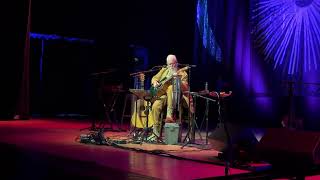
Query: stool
x: 179, y: 121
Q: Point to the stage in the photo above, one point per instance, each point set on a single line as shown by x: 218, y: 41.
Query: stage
x: 50, y: 149
x: 42, y: 148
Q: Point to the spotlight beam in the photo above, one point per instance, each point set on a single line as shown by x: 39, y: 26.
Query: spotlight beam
x: 288, y: 33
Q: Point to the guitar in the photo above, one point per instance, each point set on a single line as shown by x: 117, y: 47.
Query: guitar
x: 163, y: 85
x: 139, y: 117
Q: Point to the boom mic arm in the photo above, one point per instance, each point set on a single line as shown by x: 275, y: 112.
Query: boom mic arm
x: 188, y: 65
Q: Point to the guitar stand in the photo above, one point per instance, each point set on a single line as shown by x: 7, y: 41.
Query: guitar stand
x: 143, y: 136
x: 134, y: 129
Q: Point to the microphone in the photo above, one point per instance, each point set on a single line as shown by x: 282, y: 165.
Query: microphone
x: 189, y: 65
x: 160, y: 66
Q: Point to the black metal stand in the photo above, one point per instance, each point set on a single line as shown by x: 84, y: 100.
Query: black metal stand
x: 136, y: 74
x: 108, y: 110
x: 192, y: 123
x: 191, y: 131
x: 146, y: 96
x: 146, y: 130
x: 206, y: 119
x: 134, y: 131
x: 98, y: 96
x: 194, y: 94
x: 134, y: 128
x: 100, y: 77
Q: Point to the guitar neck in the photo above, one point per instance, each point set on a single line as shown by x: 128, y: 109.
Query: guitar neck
x: 141, y: 84
x: 164, y: 80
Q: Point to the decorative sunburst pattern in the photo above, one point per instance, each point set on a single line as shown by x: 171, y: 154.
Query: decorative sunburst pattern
x: 288, y: 31
x: 208, y: 38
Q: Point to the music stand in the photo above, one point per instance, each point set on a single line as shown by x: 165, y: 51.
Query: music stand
x: 145, y: 95
x: 202, y: 94
x: 195, y: 94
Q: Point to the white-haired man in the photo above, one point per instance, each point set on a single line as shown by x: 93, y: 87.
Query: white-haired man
x: 163, y: 81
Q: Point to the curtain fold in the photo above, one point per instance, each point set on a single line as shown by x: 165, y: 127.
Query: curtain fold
x: 23, y: 101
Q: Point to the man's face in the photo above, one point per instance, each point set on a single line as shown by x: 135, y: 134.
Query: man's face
x: 172, y: 62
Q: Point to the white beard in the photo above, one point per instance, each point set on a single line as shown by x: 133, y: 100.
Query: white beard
x: 172, y: 70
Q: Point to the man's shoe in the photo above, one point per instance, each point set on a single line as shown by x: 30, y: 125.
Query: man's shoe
x: 169, y: 120
x: 152, y: 138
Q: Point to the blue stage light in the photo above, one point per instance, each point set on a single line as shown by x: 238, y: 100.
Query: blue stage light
x: 288, y: 32
x: 208, y: 38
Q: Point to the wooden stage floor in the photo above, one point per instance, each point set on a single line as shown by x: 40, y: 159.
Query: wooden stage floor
x: 49, y: 149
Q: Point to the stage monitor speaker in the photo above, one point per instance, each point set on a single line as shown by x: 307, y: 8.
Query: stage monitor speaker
x: 290, y: 147
x: 241, y: 137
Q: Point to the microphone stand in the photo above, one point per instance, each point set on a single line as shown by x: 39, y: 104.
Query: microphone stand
x: 153, y: 69
x: 192, y: 131
x: 192, y: 123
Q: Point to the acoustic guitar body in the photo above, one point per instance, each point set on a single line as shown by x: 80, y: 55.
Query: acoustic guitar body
x: 139, y: 115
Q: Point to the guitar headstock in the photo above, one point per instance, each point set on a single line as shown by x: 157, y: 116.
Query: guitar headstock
x: 183, y: 69
x: 141, y: 77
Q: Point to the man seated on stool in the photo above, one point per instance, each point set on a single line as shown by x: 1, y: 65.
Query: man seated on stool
x: 166, y: 97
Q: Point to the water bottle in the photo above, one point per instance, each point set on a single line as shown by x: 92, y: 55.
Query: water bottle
x: 206, y: 86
